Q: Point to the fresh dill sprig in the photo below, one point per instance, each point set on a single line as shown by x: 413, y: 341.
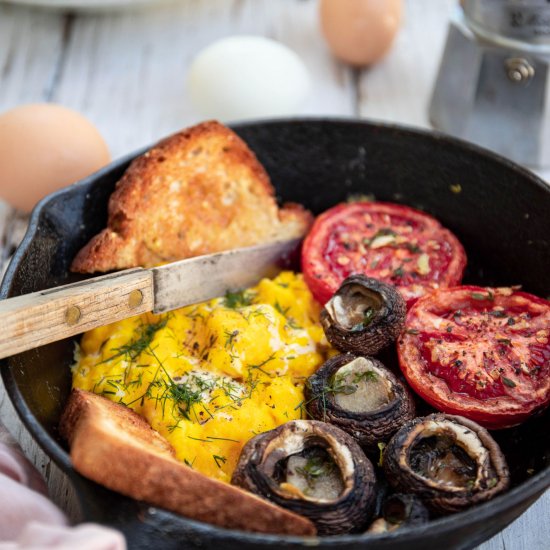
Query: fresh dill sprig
x: 230, y: 338
x: 236, y: 300
x: 262, y: 364
x: 218, y: 459
x: 136, y: 347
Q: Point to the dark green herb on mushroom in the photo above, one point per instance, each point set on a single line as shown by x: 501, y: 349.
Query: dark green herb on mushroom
x: 364, y: 315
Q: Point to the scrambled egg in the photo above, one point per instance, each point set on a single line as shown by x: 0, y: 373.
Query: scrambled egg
x: 210, y: 376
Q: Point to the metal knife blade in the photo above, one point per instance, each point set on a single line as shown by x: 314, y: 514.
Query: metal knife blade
x: 198, y: 279
x: 42, y: 317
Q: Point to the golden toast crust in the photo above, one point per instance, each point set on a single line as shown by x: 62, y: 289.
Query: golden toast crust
x: 199, y: 191
x: 115, y: 447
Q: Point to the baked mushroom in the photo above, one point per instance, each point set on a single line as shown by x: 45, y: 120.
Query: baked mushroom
x: 360, y: 396
x: 364, y: 315
x: 448, y: 461
x: 313, y: 469
x: 398, y: 510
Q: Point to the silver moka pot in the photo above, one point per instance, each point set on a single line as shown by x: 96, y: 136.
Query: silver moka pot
x: 492, y: 87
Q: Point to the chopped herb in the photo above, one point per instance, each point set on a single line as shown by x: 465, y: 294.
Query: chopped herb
x: 223, y: 439
x: 399, y: 272
x: 384, y: 231
x: 497, y: 313
x: 504, y: 341
x: 360, y: 197
x: 511, y: 321
x: 449, y: 328
x: 367, y: 376
x: 136, y: 347
x: 414, y: 248
x: 314, y: 468
x: 198, y: 439
x: 368, y: 316
x: 339, y: 386
x: 235, y: 300
x: 492, y: 482
x: 263, y: 363
x: 184, y: 397
x: 508, y: 382
x: 455, y: 188
x: 292, y: 323
x: 412, y: 331
x: 219, y: 459
x: 481, y: 296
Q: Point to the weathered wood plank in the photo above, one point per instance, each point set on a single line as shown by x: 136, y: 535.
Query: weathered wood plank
x: 31, y: 48
x: 126, y: 71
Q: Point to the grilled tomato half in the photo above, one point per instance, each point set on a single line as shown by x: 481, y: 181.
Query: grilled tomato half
x: 390, y: 242
x: 483, y: 353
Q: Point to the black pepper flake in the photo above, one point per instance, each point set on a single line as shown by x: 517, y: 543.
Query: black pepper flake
x: 511, y: 321
x: 449, y: 328
x: 497, y: 313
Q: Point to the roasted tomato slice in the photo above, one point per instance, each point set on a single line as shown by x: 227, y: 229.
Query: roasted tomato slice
x: 482, y: 353
x: 390, y: 242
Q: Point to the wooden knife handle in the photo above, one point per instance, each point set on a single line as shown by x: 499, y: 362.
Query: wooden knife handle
x: 39, y: 318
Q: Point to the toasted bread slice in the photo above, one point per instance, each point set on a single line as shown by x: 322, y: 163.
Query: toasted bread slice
x: 114, y: 446
x: 197, y: 192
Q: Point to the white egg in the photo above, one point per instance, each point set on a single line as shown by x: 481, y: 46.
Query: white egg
x: 247, y: 77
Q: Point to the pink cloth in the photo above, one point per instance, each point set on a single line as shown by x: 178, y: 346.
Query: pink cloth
x: 29, y: 521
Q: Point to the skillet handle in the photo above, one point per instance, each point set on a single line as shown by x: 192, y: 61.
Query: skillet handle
x: 39, y: 318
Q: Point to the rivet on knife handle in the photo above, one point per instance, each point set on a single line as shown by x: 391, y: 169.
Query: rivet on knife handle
x: 39, y: 318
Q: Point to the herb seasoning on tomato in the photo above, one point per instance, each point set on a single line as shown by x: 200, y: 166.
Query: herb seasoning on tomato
x: 482, y: 353
x: 390, y: 242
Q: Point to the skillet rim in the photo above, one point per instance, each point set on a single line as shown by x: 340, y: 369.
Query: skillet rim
x: 530, y: 489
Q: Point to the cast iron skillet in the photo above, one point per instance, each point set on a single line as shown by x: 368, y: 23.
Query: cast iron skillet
x: 501, y: 216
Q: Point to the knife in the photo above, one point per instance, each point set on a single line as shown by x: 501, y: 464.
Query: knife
x: 46, y: 316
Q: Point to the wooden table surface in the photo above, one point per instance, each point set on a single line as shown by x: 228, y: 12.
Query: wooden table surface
x: 125, y: 70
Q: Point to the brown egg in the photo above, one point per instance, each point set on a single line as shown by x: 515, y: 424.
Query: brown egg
x: 44, y: 147
x: 360, y: 32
